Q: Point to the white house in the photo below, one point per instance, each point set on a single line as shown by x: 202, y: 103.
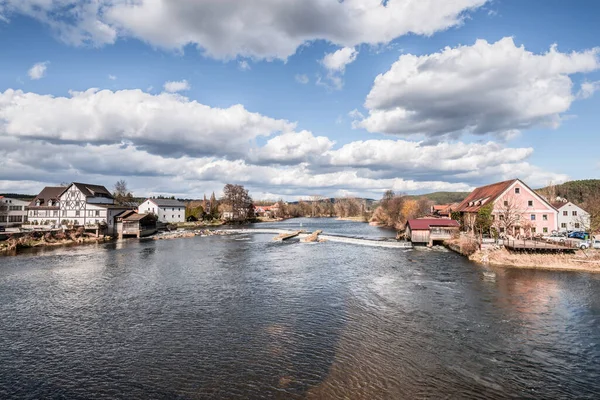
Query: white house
x: 571, y: 217
x: 78, y: 204
x: 12, y: 211
x: 167, y: 210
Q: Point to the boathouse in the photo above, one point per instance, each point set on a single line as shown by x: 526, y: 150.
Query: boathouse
x: 430, y: 230
x: 130, y: 223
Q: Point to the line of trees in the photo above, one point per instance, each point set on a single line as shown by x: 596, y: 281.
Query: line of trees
x: 395, y: 209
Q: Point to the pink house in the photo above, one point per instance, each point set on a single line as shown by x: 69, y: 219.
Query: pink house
x: 517, y: 209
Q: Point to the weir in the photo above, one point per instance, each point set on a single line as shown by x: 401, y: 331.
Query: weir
x: 330, y: 238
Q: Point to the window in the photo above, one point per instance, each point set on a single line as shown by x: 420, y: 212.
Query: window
x: 505, y: 203
x: 2, y: 218
x: 532, y: 230
x: 574, y: 213
x: 64, y: 213
x: 77, y: 213
x: 97, y: 213
x: 530, y: 203
x: 517, y: 190
x: 501, y: 217
x: 563, y: 225
x: 172, y: 216
x: 15, y: 208
x: 179, y: 216
x: 545, y: 217
x: 493, y: 217
x: 577, y: 225
x: 55, y: 213
x: 545, y: 230
x: 533, y: 217
x: 15, y: 218
x: 501, y: 230
x: 565, y: 213
x: 173, y: 209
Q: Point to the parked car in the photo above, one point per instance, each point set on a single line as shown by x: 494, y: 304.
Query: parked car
x: 579, y: 235
x: 554, y: 238
x: 586, y: 244
x: 2, y: 229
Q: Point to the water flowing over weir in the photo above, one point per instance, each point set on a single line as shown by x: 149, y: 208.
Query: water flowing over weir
x: 330, y: 238
x: 244, y: 317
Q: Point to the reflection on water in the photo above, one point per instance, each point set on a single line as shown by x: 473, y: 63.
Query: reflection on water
x: 227, y: 318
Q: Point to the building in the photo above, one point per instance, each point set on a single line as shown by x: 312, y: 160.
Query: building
x: 130, y: 223
x: 13, y: 212
x: 44, y: 209
x: 517, y: 210
x: 79, y: 204
x: 571, y: 217
x: 444, y: 210
x: 169, y: 211
x: 430, y: 230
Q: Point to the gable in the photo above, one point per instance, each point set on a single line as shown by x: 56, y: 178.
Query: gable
x: 526, y: 194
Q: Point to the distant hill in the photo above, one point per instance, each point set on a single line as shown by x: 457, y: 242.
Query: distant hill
x: 443, y: 197
x: 18, y: 196
x: 575, y: 191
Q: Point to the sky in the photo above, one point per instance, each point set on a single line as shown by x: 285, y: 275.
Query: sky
x: 294, y: 99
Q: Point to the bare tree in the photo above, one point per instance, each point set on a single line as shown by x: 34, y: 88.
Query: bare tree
x: 238, y: 202
x: 509, y: 215
x: 121, y: 193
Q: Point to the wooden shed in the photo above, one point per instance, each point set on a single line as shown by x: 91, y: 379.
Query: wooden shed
x: 430, y: 230
x: 130, y: 223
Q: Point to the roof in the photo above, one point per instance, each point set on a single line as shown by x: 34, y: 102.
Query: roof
x: 484, y: 195
x: 92, y: 190
x: 559, y: 204
x: 425, y: 223
x: 137, y: 217
x: 167, y: 202
x: 48, y: 193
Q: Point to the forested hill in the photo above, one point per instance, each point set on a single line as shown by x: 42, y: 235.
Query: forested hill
x: 575, y: 191
x: 443, y: 197
x: 18, y: 196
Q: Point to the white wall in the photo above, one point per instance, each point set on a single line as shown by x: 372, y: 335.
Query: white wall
x: 165, y: 214
x: 572, y: 222
x: 16, y: 216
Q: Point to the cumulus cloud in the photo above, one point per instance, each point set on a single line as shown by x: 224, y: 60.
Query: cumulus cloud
x: 38, y: 71
x: 588, y: 89
x: 163, y: 124
x: 292, y: 148
x: 112, y: 77
x: 335, y: 63
x: 262, y: 29
x: 483, y: 88
x: 243, y: 65
x: 176, y: 86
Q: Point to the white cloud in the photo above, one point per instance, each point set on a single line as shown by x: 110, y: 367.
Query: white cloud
x: 163, y: 123
x: 176, y: 86
x: 292, y: 148
x: 588, y: 89
x: 112, y: 77
x: 302, y: 78
x: 483, y: 88
x: 338, y: 60
x: 335, y: 63
x: 243, y: 65
x: 38, y: 71
x: 261, y: 29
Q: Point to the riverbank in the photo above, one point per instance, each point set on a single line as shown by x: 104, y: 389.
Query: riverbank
x: 579, y: 261
x: 48, y: 239
x: 189, y: 233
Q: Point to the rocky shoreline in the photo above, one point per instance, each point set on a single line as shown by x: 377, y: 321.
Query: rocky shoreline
x: 46, y: 239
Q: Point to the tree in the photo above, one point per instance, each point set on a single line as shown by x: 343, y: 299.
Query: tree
x: 213, y: 207
x: 509, y: 215
x: 121, y: 193
x: 484, y: 221
x: 239, y: 201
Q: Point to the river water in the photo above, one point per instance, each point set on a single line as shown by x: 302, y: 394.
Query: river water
x: 246, y: 317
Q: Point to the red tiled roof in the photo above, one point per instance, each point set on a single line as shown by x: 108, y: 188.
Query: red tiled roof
x: 426, y: 223
x: 488, y: 193
x: 558, y: 204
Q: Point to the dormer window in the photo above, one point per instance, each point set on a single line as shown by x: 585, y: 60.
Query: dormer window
x: 517, y: 190
x: 37, y: 203
x: 49, y: 203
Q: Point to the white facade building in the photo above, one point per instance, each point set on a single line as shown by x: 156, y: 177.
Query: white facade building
x: 571, y: 217
x: 79, y: 204
x: 13, y: 212
x: 167, y: 210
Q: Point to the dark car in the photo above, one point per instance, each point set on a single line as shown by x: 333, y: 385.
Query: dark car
x: 2, y: 229
x: 578, y: 235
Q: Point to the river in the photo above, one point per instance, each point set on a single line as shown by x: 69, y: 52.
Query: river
x: 245, y: 317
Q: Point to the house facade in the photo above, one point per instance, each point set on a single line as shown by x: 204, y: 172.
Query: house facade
x: 517, y: 210
x: 429, y: 230
x: 13, y: 212
x: 167, y: 210
x: 571, y: 217
x: 79, y: 204
x: 44, y: 209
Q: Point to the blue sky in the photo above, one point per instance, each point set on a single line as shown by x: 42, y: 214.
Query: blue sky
x: 468, y: 94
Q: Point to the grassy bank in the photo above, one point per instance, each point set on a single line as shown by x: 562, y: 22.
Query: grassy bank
x: 579, y: 260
